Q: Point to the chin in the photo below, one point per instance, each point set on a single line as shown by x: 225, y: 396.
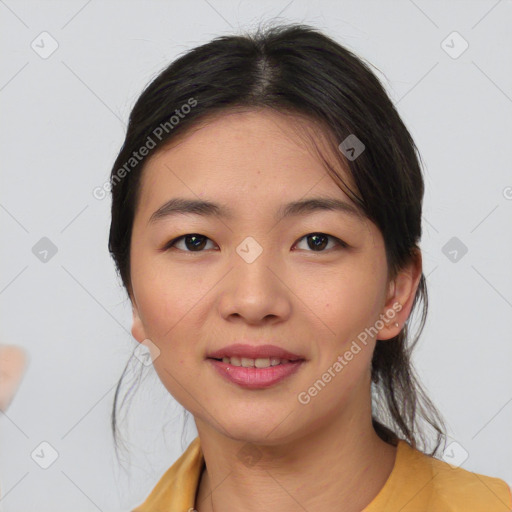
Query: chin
x: 259, y: 428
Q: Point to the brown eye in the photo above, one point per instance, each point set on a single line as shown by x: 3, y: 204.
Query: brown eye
x: 193, y: 242
x: 318, y: 241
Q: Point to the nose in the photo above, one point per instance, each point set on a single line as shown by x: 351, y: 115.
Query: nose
x: 255, y: 292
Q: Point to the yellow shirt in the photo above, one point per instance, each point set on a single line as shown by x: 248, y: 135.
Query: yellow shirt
x: 417, y: 483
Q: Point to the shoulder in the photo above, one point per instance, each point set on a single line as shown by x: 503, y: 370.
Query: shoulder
x: 473, y: 490
x: 177, y: 487
x: 450, y: 488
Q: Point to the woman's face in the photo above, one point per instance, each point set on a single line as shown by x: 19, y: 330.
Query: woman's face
x: 255, y: 277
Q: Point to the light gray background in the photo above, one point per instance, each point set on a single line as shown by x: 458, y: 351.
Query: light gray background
x: 62, y: 124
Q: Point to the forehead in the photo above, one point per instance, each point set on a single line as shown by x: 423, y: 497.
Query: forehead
x: 243, y: 158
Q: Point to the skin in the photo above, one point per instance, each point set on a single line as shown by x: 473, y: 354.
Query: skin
x: 12, y: 368
x: 314, y: 303
x: 13, y: 361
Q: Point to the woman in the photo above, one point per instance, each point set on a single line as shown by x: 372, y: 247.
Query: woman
x: 266, y: 217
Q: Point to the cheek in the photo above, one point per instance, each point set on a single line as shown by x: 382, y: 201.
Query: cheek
x: 166, y: 295
x: 347, y: 301
x: 166, y: 308
x: 334, y: 385
x: 167, y: 312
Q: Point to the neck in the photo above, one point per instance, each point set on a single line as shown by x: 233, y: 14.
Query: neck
x: 341, y: 463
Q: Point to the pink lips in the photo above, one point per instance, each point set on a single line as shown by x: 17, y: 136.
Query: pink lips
x: 255, y: 378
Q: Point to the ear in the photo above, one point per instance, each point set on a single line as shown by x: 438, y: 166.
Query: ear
x: 400, y: 297
x: 138, y: 331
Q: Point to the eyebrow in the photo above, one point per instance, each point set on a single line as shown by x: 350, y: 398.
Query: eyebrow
x: 204, y: 208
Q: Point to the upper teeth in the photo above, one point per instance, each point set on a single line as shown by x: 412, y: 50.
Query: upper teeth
x: 258, y: 363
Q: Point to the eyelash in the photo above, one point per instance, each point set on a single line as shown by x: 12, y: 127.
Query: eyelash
x: 170, y: 245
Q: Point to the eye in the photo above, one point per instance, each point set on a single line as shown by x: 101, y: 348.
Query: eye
x: 194, y: 241
x: 317, y: 241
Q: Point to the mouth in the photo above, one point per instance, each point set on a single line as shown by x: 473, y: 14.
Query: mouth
x: 250, y: 353
x: 260, y: 362
x: 255, y: 367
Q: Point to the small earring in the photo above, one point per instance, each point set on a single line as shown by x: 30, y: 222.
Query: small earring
x: 396, y: 324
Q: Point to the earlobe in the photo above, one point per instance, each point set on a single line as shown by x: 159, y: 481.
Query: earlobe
x: 402, y: 291
x: 138, y: 331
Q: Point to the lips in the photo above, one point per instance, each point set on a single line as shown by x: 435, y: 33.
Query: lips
x: 255, y: 366
x: 254, y: 352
